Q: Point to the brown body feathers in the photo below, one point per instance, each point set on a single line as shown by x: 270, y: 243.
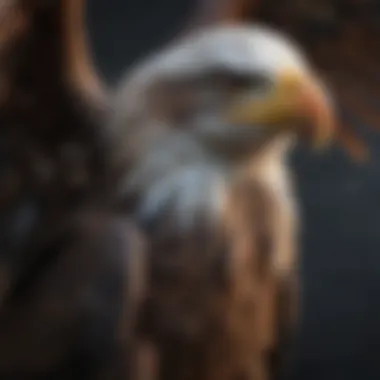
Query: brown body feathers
x: 69, y: 278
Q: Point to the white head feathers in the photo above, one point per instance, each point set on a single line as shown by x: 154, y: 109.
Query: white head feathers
x: 239, y: 49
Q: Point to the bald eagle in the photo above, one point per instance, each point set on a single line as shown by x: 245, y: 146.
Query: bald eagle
x: 208, y: 124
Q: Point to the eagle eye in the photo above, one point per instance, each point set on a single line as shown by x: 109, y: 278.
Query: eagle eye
x: 258, y: 83
x: 238, y: 83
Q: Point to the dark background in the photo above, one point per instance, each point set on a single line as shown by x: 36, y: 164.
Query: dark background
x: 340, y: 203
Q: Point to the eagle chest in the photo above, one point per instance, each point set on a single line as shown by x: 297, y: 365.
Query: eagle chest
x: 236, y: 310
x: 257, y: 308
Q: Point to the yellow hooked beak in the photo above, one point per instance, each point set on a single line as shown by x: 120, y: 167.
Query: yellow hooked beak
x: 296, y: 102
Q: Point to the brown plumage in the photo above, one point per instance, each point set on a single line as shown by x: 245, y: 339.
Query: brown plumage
x: 71, y: 272
x: 213, y: 310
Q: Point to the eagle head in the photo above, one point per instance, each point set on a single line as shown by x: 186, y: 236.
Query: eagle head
x: 232, y: 87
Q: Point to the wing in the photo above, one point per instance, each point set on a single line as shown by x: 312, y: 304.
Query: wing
x: 74, y: 312
x: 68, y: 284
x: 52, y: 146
x: 47, y: 39
x: 52, y: 101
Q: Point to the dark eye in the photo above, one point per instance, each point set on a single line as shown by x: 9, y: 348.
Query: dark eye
x: 239, y: 82
x: 252, y: 82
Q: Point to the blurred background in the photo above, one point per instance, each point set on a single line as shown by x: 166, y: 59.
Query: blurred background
x: 340, y: 199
